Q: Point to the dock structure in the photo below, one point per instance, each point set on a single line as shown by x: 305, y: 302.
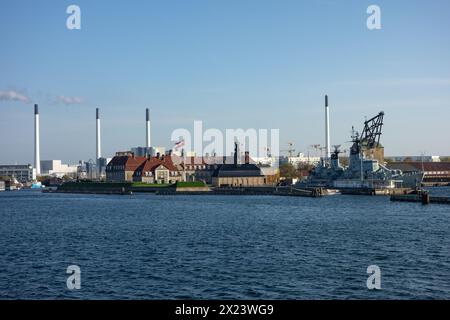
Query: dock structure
x: 375, y: 191
x: 423, y: 198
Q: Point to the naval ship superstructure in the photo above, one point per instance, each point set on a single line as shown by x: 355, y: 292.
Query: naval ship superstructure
x: 363, y: 170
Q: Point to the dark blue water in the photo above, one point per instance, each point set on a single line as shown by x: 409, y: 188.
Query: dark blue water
x: 221, y: 247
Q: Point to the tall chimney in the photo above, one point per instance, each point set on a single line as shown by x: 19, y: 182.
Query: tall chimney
x: 237, y: 153
x: 327, y: 128
x: 37, y: 151
x: 98, y: 146
x: 147, y: 121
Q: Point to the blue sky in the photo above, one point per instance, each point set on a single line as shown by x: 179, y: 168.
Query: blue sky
x: 232, y: 64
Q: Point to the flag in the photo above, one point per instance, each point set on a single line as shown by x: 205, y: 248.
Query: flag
x: 179, y: 144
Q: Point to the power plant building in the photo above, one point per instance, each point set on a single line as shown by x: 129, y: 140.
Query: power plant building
x: 148, y: 151
x: 57, y: 168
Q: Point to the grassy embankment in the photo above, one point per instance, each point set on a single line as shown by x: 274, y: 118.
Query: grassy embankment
x: 193, y: 184
x: 143, y: 184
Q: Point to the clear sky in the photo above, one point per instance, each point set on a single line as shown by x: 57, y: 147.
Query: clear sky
x: 232, y: 64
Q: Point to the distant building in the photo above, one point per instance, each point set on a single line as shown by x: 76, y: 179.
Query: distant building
x: 91, y: 169
x: 23, y: 173
x: 148, y: 151
x: 415, y: 159
x: 102, y: 163
x: 57, y: 168
x: 2, y: 185
x: 300, y: 159
x: 435, y: 173
x: 266, y: 161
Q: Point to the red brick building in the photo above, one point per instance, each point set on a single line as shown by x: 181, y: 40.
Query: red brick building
x: 160, y: 169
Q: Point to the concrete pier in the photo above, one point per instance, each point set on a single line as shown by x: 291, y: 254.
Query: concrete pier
x: 422, y: 198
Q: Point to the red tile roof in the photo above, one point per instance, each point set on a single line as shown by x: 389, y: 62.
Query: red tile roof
x: 169, y: 163
x: 149, y: 165
x: 134, y: 162
x: 427, y: 166
x: 128, y: 162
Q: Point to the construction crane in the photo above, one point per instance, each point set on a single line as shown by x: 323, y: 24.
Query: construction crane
x: 370, y: 136
x: 316, y: 147
x: 291, y: 150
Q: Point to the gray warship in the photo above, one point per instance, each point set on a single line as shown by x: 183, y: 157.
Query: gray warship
x: 366, y: 169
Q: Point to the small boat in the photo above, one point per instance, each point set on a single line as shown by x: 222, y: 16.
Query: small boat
x: 37, y: 185
x: 332, y: 192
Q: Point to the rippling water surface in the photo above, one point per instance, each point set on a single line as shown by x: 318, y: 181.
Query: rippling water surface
x: 221, y: 247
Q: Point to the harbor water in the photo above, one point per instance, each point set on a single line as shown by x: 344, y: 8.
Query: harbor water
x: 145, y: 246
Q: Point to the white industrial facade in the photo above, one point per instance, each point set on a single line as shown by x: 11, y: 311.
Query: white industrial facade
x: 23, y: 173
x: 57, y: 168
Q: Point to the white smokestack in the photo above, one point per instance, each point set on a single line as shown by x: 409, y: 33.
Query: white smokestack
x: 37, y: 151
x: 98, y: 138
x: 147, y: 121
x: 327, y: 128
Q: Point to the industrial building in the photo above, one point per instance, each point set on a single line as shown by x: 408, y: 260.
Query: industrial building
x: 57, y: 168
x: 22, y: 173
x: 148, y: 151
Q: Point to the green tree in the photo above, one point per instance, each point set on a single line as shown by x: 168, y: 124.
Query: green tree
x: 287, y: 170
x: 303, y: 170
